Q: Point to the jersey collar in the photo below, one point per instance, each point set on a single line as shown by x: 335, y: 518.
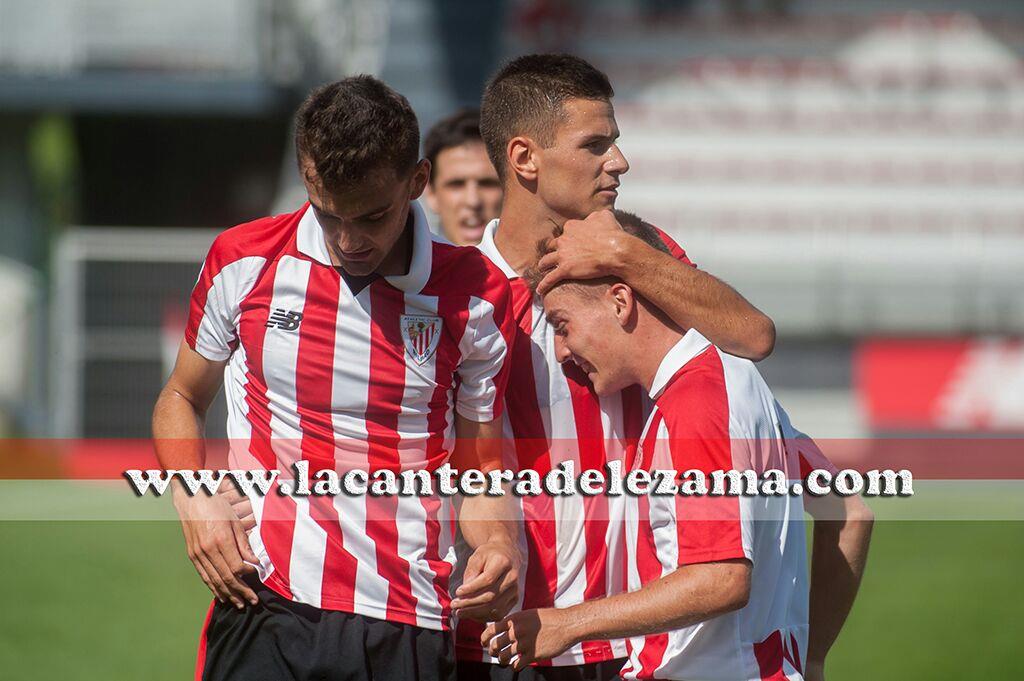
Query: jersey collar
x: 688, y: 347
x: 310, y: 242
x: 489, y: 249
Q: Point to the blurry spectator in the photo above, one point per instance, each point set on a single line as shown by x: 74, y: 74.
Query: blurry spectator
x: 464, y: 189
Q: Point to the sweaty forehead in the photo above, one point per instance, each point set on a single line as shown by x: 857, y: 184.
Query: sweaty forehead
x: 560, y: 301
x: 586, y: 117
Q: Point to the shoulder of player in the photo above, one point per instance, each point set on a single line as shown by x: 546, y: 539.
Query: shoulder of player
x: 674, y: 248
x: 265, y: 237
x: 716, y: 395
x: 696, y: 400
x: 465, y: 270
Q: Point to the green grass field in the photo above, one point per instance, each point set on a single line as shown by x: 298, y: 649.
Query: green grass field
x: 119, y: 600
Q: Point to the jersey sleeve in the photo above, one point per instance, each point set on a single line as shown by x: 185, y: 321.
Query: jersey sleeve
x: 799, y: 445
x: 708, y: 528
x: 215, y: 305
x: 486, y: 348
x: 675, y: 249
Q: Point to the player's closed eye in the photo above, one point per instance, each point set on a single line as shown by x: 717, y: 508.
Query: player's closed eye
x: 376, y: 217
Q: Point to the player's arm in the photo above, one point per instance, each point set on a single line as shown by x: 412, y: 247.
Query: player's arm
x: 842, y: 534
x: 214, y: 536
x: 597, y: 247
x: 490, y: 588
x: 690, y: 594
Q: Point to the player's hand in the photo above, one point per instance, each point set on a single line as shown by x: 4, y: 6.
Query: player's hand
x: 240, y: 504
x: 587, y: 249
x: 490, y: 588
x: 528, y: 636
x: 217, y: 546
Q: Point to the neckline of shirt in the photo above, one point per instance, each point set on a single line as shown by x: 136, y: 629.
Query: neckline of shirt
x: 678, y: 356
x: 490, y: 249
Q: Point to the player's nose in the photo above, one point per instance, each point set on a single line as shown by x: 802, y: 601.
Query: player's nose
x: 349, y: 243
x: 617, y: 163
x: 472, y: 196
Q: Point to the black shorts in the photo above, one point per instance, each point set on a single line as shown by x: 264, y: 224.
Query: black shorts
x: 595, y: 671
x: 279, y: 640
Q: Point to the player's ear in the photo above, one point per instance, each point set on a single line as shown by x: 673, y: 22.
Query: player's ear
x: 521, y: 158
x: 624, y: 303
x: 419, y: 180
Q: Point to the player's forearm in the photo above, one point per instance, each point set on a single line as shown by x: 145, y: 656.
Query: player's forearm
x: 483, y: 518
x: 839, y: 556
x: 488, y: 520
x: 178, y: 433
x: 691, y: 594
x: 695, y: 299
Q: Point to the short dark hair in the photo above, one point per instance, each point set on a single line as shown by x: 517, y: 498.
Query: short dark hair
x: 526, y: 97
x: 352, y: 127
x: 641, y: 229
x: 631, y: 224
x: 462, y: 127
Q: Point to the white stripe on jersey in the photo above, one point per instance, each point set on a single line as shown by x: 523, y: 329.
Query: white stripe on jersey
x: 280, y: 357
x: 349, y: 396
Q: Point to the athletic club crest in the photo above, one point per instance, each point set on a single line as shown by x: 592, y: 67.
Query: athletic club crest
x: 421, y: 334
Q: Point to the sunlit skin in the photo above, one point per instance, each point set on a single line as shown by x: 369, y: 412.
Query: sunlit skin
x: 465, y: 192
x: 578, y: 172
x: 613, y: 337
x: 363, y: 224
x: 582, y: 166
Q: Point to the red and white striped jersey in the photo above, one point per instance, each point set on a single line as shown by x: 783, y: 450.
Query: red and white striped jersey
x: 714, y: 412
x: 574, y: 545
x: 346, y: 379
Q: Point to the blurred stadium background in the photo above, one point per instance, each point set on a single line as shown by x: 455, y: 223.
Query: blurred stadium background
x: 856, y: 169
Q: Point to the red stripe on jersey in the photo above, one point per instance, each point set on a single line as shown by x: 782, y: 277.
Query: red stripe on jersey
x: 314, y: 378
x: 675, y: 249
x: 201, y: 654
x: 586, y: 410
x: 633, y: 403
x: 769, y: 658
x: 384, y: 403
x: 695, y: 406
x: 632, y: 420
x: 532, y: 451
x: 455, y: 309
x: 276, y: 532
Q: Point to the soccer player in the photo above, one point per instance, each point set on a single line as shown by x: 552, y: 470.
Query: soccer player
x: 348, y: 338
x: 550, y: 131
x: 718, y: 585
x: 464, y: 189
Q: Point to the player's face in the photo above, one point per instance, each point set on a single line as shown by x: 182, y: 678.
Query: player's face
x: 465, y: 192
x: 362, y: 223
x: 589, y: 333
x: 579, y: 173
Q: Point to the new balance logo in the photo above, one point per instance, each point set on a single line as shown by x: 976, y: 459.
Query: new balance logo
x: 284, y: 320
